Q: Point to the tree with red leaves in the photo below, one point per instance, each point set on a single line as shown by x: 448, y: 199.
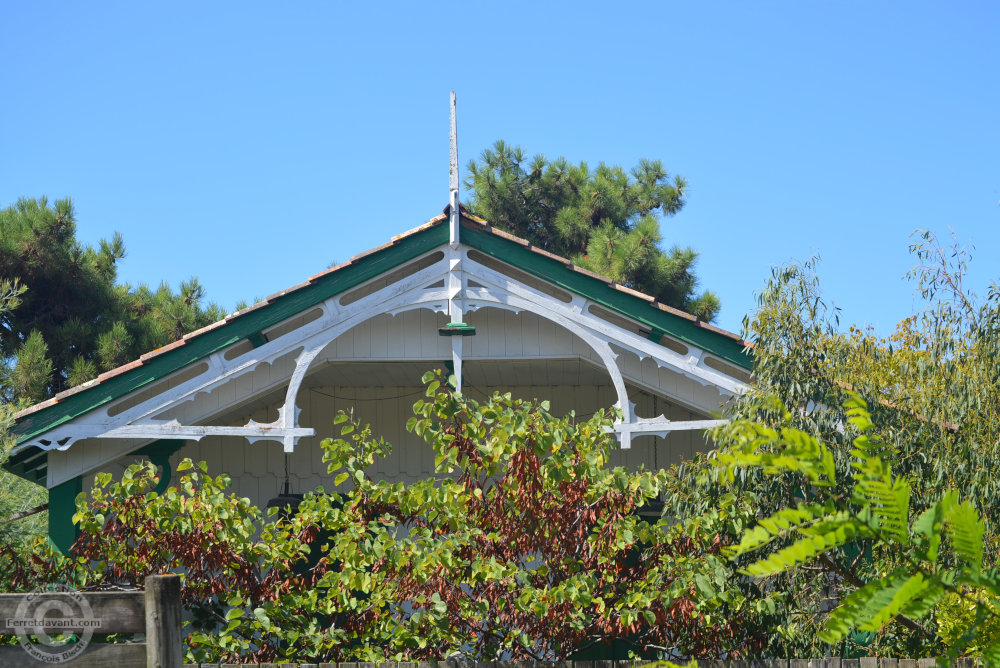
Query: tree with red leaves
x: 529, y: 546
x: 526, y: 545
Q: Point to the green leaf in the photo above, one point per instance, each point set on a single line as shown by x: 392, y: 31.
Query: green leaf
x: 776, y: 525
x: 806, y: 549
x: 896, y: 594
x: 931, y: 522
x: 965, y: 530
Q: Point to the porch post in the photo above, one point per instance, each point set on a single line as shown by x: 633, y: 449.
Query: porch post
x: 62, y: 506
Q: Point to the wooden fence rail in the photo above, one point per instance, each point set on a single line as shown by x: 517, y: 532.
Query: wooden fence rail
x: 155, y: 612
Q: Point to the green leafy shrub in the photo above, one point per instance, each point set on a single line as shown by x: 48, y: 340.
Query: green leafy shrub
x: 527, y: 544
x: 938, y: 554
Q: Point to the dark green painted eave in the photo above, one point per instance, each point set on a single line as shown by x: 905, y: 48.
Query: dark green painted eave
x: 29, y: 463
x: 599, y: 292
x: 242, y: 327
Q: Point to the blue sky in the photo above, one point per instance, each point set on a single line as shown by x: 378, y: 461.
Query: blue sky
x: 252, y: 144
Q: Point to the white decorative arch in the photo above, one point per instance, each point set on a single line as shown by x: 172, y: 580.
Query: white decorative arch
x: 444, y: 287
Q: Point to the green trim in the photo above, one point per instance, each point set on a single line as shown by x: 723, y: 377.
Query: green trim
x: 257, y: 339
x: 159, y: 452
x: 62, y: 506
x: 457, y: 329
x: 655, y: 334
x: 599, y: 292
x: 21, y: 457
x: 284, y: 307
x: 31, y: 464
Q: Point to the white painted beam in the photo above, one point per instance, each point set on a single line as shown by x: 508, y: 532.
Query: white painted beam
x: 196, y: 432
x: 663, y: 425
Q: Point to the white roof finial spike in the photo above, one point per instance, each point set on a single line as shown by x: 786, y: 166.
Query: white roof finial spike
x: 453, y: 199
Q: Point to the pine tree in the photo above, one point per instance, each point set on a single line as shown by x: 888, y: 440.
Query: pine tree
x: 75, y: 320
x: 32, y: 372
x: 606, y: 220
x: 18, y: 497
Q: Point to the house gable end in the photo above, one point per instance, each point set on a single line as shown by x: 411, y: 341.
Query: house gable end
x: 365, y: 270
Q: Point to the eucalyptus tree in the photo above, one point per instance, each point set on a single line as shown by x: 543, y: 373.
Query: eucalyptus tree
x: 933, y: 394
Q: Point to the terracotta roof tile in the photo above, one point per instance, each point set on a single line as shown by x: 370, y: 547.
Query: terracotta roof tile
x: 203, y: 330
x: 159, y: 351
x: 675, y: 311
x: 473, y: 217
x: 327, y: 272
x: 587, y: 272
x: 76, y: 389
x: 299, y: 286
x: 634, y: 293
x: 235, y: 314
x: 430, y: 223
x: 551, y: 256
x: 37, y: 407
x: 132, y: 365
x: 253, y: 307
x: 372, y: 251
x: 508, y: 236
x: 724, y: 332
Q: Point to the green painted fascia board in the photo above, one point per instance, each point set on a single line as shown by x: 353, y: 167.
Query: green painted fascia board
x: 599, y: 292
x: 246, y: 325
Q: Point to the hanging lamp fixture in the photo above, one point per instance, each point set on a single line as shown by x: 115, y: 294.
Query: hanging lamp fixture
x: 286, y: 502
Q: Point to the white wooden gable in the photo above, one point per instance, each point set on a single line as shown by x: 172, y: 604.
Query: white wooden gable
x: 377, y: 338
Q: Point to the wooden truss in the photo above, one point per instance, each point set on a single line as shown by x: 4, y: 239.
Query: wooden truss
x: 454, y: 285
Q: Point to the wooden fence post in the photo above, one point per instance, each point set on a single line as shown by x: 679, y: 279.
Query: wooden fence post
x: 163, y: 622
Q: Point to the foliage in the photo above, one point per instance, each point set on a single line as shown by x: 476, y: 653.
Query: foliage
x: 75, y: 320
x: 16, y: 496
x: 527, y: 544
x: 933, y: 393
x: 532, y: 546
x: 606, y: 220
x: 239, y: 575
x: 958, y: 612
x: 938, y: 553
